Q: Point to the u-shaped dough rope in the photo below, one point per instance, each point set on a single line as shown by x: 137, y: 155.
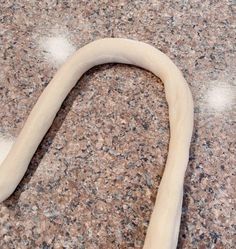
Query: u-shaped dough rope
x: 164, y: 224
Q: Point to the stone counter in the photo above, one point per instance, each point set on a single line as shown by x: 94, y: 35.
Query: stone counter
x: 93, y: 181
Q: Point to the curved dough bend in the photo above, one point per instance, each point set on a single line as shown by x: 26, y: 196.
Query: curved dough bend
x: 164, y: 224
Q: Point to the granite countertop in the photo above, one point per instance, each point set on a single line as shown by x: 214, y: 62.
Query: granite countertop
x: 93, y: 181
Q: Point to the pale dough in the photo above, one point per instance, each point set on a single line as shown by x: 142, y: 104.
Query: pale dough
x: 164, y: 224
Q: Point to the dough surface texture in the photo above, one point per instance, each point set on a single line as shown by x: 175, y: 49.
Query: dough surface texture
x: 164, y: 224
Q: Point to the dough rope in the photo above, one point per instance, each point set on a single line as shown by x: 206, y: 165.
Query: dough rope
x: 164, y: 224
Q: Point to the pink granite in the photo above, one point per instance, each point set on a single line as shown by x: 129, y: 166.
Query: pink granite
x: 93, y: 181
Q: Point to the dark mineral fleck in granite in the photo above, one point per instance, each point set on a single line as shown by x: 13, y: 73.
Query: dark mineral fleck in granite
x: 93, y: 181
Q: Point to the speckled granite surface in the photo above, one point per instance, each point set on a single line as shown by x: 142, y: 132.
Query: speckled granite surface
x: 93, y: 181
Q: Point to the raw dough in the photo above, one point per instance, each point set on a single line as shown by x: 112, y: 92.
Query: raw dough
x: 164, y: 224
